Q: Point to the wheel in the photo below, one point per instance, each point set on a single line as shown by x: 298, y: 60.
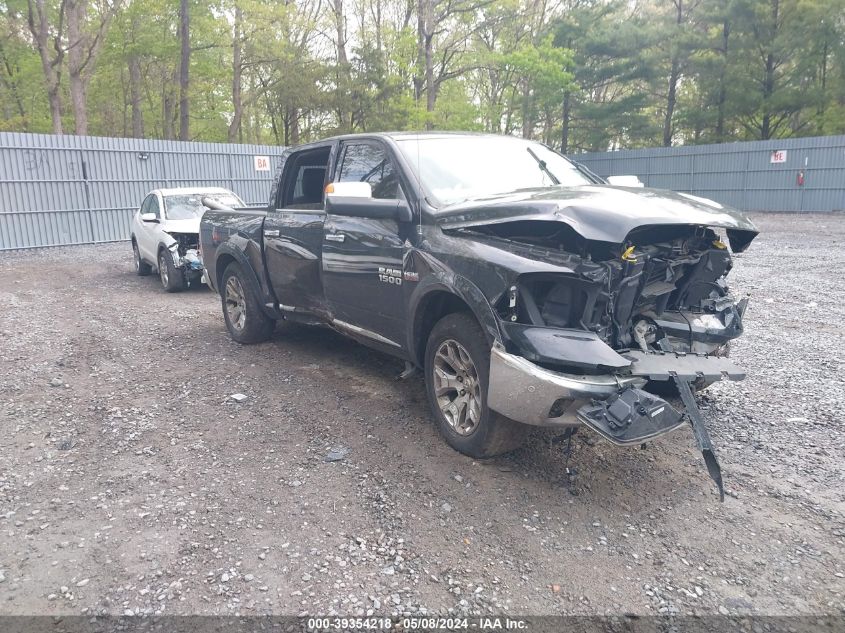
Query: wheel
x: 245, y: 320
x: 457, y: 367
x: 172, y: 279
x: 142, y: 268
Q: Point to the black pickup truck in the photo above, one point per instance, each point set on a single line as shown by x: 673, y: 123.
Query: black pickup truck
x: 527, y: 289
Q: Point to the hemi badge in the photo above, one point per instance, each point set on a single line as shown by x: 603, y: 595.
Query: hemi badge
x: 411, y: 276
x: 271, y: 233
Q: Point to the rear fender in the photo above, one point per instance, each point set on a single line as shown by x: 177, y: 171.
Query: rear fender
x: 227, y: 252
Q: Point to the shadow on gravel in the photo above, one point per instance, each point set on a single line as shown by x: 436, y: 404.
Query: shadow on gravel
x: 589, y: 468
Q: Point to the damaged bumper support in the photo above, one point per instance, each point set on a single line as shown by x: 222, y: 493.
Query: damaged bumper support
x: 613, y: 406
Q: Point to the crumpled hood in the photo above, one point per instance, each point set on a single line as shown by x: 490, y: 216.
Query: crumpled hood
x: 181, y: 226
x: 602, y: 212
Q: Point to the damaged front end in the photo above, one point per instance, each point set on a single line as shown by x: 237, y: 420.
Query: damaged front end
x: 585, y: 345
x: 184, y: 248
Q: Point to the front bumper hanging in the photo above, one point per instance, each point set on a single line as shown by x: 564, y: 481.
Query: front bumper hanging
x: 614, y: 407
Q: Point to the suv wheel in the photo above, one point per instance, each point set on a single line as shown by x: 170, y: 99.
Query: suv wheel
x: 142, y: 268
x: 172, y: 278
x: 245, y: 319
x: 457, y: 367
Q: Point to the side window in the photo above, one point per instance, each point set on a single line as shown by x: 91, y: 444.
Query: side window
x: 368, y: 162
x: 145, y: 205
x: 305, y: 179
x: 153, y: 208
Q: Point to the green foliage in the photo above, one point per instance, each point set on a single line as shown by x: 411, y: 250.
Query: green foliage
x: 577, y: 74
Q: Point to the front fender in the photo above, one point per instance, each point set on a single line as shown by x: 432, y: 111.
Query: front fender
x: 440, y: 279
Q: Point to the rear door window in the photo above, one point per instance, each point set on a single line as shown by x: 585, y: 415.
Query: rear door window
x: 305, y: 179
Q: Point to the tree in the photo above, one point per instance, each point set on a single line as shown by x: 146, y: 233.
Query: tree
x: 184, y: 69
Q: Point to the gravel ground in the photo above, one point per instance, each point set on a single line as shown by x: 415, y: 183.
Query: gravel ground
x: 131, y: 483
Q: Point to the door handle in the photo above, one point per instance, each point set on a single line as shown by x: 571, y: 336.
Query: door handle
x: 335, y: 237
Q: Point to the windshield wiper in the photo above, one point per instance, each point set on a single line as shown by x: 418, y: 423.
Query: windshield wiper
x: 589, y: 173
x: 543, y: 167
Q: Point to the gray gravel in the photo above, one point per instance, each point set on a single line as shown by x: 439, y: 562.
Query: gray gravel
x: 131, y: 482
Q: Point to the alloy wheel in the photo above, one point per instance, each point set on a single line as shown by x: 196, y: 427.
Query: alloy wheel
x: 457, y: 387
x: 235, y: 303
x: 162, y: 270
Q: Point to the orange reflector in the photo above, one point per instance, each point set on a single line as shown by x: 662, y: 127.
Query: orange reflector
x: 330, y: 188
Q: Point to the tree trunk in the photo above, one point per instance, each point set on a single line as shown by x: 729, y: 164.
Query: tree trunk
x: 184, y: 70
x: 168, y: 106
x: 567, y: 116
x: 135, y: 96
x: 674, y: 76
x: 527, y: 122
x: 237, y: 71
x: 671, y: 99
x: 76, y: 54
x: 345, y: 122
x: 419, y: 75
x: 425, y: 56
x: 723, y: 88
x: 52, y: 67
x: 769, y: 81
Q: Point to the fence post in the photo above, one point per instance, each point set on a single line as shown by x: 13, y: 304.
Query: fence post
x: 86, y: 188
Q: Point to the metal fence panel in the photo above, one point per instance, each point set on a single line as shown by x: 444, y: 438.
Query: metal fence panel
x: 742, y: 175
x: 60, y: 190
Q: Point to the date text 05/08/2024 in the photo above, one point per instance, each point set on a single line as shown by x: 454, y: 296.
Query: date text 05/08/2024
x: 417, y: 624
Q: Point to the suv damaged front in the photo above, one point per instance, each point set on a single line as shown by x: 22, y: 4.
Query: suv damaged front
x: 632, y: 294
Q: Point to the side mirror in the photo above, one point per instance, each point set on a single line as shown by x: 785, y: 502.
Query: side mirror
x: 350, y: 189
x: 625, y: 181
x: 375, y: 208
x: 149, y: 217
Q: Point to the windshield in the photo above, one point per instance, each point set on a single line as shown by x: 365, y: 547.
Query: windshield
x: 453, y: 169
x: 189, y: 206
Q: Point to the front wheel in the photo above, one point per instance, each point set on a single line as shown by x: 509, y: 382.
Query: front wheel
x: 172, y: 278
x: 245, y: 320
x: 457, y: 368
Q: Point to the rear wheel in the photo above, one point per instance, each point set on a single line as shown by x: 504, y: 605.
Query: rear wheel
x: 245, y: 319
x: 172, y: 278
x: 457, y: 367
x: 142, y: 268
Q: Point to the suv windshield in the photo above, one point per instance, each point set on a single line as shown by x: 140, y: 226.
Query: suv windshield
x: 189, y: 206
x: 453, y: 169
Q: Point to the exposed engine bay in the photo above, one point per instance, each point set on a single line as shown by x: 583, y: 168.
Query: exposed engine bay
x: 664, y: 289
x: 186, y: 254
x: 654, y: 309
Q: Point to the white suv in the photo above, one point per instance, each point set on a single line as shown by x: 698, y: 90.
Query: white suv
x: 165, y: 233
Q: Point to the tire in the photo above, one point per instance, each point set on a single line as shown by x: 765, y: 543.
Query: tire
x: 142, y: 268
x: 244, y: 317
x: 466, y: 422
x: 172, y: 278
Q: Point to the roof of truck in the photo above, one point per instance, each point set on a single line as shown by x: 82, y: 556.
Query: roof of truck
x: 398, y: 136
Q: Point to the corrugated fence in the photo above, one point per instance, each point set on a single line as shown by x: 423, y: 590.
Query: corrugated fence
x: 800, y: 174
x: 59, y: 190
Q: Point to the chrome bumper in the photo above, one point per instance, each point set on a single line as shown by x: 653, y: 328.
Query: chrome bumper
x: 522, y: 391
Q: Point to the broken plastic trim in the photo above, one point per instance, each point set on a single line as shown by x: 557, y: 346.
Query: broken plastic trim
x: 702, y: 437
x: 630, y: 416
